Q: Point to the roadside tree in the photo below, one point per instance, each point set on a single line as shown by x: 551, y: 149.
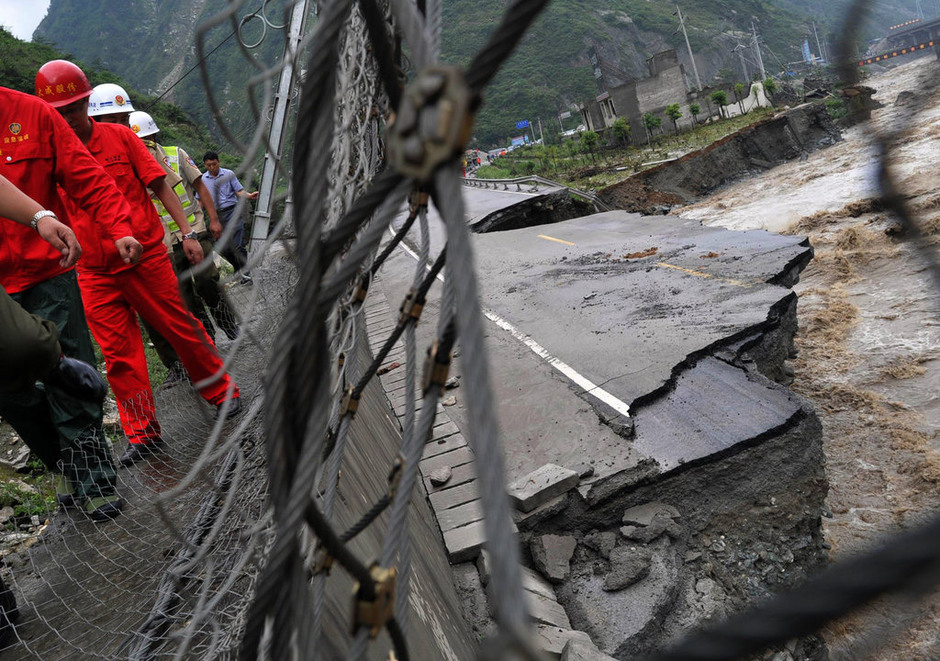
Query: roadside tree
x: 720, y: 97
x: 770, y: 86
x: 739, y: 89
x: 589, y: 142
x: 621, y: 129
x: 695, y: 109
x: 651, y: 122
x: 674, y: 113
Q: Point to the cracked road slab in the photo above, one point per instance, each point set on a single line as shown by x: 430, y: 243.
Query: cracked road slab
x: 632, y: 303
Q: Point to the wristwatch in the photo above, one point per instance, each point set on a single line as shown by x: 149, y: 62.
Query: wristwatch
x: 34, y: 221
x: 191, y: 235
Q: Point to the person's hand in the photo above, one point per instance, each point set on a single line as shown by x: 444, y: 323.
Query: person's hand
x: 252, y: 196
x: 215, y: 229
x: 129, y: 249
x: 193, y: 251
x: 61, y: 237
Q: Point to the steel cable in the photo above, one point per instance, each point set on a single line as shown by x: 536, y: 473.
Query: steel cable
x: 286, y: 430
x: 511, y: 612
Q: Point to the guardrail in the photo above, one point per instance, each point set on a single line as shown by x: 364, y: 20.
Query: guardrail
x: 536, y: 182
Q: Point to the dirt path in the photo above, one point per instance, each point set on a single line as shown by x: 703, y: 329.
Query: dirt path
x: 869, y: 342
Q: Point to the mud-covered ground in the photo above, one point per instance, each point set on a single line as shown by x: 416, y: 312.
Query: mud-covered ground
x: 869, y: 339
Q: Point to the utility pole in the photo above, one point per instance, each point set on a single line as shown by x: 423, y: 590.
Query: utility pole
x: 818, y: 46
x: 541, y: 135
x: 262, y: 218
x: 760, y: 60
x: 698, y: 81
x: 739, y: 49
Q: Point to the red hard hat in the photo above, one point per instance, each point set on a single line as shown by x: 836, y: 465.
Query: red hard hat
x: 60, y: 83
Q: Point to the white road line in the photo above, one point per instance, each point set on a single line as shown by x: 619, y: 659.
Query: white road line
x: 579, y: 379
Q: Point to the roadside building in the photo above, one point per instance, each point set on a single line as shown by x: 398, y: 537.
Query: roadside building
x: 666, y: 84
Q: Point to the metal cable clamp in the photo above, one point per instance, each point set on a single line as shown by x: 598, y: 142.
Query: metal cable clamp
x: 350, y: 402
x: 418, y: 200
x: 436, y: 368
x: 323, y: 562
x: 411, y: 307
x: 394, y: 475
x: 376, y: 612
x: 433, y: 123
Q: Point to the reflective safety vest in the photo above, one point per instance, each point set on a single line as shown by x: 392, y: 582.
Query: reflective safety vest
x: 173, y: 158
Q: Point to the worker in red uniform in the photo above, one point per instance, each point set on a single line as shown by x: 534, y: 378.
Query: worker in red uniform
x: 38, y: 152
x: 114, y: 292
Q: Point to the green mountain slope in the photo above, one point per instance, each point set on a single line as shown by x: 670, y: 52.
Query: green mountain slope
x: 19, y: 61
x: 150, y: 43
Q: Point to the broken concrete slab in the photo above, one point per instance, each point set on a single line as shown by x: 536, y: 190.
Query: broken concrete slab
x: 602, y: 542
x: 464, y: 543
x: 683, y: 304
x: 528, y: 520
x: 628, y: 565
x: 614, y: 617
x: 531, y: 581
x: 642, y: 515
x: 552, y: 555
x: 658, y: 526
x: 553, y: 639
x: 577, y: 649
x: 544, y: 610
x: 540, y: 486
x: 713, y: 407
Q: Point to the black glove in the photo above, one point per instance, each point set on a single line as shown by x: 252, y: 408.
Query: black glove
x: 78, y: 379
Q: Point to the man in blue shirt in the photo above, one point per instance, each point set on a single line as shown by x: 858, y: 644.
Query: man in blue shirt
x: 226, y: 189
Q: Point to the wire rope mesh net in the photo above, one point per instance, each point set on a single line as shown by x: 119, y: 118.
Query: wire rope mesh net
x: 173, y: 576
x: 230, y: 529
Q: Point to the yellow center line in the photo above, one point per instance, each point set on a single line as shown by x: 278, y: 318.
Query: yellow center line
x: 551, y: 238
x: 739, y: 283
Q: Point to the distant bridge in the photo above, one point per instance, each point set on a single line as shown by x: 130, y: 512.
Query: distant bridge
x: 913, y: 34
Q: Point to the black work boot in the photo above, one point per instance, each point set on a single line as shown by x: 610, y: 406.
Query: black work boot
x: 78, y: 379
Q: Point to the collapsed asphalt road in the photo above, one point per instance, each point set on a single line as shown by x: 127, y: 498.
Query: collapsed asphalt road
x: 681, y: 333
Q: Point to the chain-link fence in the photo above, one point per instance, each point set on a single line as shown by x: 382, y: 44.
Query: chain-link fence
x: 231, y: 539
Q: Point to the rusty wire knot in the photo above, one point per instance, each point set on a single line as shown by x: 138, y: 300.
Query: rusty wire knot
x: 433, y: 123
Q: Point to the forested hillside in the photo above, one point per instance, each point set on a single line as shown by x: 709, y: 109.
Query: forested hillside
x: 151, y: 44
x: 19, y: 61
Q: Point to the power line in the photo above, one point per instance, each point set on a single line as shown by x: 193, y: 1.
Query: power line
x: 194, y: 67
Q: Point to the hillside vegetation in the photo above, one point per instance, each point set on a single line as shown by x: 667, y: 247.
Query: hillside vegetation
x: 19, y: 61
x: 549, y: 73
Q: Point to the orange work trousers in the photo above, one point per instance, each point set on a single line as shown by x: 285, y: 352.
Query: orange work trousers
x: 149, y: 288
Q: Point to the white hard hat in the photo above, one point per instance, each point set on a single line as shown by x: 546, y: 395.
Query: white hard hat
x: 108, y: 99
x: 142, y: 124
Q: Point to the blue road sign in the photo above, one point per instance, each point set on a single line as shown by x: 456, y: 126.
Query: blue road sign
x: 524, y: 124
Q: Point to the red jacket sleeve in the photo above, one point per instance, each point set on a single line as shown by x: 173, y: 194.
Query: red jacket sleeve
x: 86, y: 183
